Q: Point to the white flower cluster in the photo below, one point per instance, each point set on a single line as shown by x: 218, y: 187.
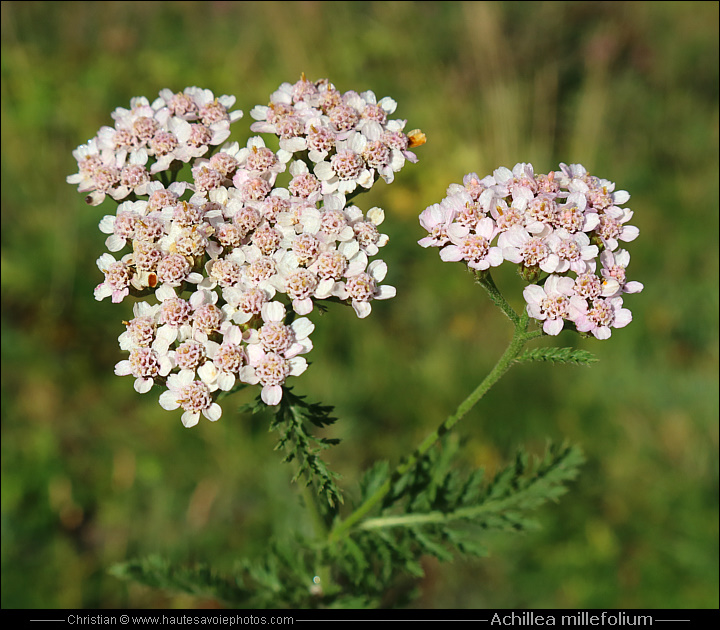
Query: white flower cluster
x: 562, y: 225
x: 347, y: 137
x: 234, y: 260
x: 174, y: 128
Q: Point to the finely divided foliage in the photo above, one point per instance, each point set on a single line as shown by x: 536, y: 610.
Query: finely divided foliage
x: 436, y: 510
x: 432, y: 510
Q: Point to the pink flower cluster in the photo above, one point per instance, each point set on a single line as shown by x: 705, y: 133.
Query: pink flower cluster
x: 563, y: 231
x: 147, y: 138
x: 234, y: 260
x: 348, y: 137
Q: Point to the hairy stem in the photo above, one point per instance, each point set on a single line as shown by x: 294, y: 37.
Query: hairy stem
x: 485, y: 280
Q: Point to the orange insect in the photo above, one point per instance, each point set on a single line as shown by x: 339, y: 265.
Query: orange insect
x: 417, y: 138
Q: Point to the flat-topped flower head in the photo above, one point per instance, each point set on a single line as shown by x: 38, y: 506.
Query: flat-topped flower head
x: 147, y: 139
x: 316, y: 118
x: 562, y: 230
x: 218, y: 248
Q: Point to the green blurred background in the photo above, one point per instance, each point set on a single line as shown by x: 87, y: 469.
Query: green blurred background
x: 93, y: 473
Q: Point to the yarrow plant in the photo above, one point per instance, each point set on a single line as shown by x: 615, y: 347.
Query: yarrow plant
x: 236, y: 259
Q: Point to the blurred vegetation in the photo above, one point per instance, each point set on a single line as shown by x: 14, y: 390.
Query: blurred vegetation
x: 93, y: 473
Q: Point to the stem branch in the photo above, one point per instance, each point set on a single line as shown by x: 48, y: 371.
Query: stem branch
x: 519, y: 339
x: 485, y: 280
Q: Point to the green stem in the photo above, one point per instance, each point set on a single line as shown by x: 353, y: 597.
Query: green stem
x: 321, y: 531
x: 409, y: 520
x: 318, y: 522
x: 485, y: 280
x: 520, y: 337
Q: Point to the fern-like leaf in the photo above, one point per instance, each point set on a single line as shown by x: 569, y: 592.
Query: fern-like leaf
x: 293, y: 420
x: 436, y: 510
x: 199, y: 580
x: 558, y: 355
